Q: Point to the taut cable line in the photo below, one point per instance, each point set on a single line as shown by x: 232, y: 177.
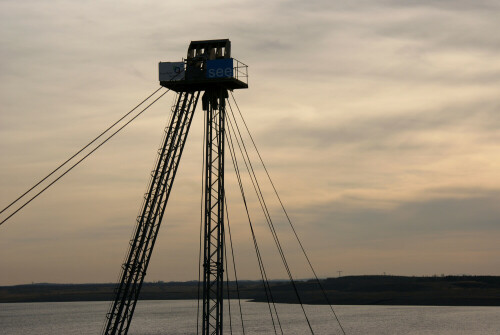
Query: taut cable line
x: 234, y: 265
x: 79, y: 151
x: 265, y: 281
x: 258, y: 191
x: 82, y: 159
x: 201, y: 225
x: 288, y: 217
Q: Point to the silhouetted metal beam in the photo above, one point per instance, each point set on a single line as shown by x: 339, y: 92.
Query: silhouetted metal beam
x: 213, y: 259
x: 148, y: 222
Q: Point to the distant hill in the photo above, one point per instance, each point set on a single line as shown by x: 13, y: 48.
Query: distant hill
x: 348, y: 290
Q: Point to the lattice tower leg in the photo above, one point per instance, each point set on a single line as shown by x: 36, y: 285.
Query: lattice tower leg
x: 213, y: 267
x: 141, y: 246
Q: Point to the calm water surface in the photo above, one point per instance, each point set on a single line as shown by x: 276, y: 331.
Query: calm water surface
x: 179, y: 317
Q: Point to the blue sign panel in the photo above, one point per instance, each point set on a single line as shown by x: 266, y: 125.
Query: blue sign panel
x: 220, y: 68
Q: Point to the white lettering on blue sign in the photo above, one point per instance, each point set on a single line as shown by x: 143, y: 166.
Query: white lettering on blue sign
x: 220, y: 68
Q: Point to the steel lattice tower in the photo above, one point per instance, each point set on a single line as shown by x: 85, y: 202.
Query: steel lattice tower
x: 213, y: 259
x: 209, y: 68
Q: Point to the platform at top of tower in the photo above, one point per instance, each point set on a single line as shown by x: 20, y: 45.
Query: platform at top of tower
x: 208, y: 65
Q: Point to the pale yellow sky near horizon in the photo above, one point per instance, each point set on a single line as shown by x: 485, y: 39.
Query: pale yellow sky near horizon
x: 378, y: 121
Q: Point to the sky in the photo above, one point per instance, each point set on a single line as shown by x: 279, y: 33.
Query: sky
x: 377, y: 120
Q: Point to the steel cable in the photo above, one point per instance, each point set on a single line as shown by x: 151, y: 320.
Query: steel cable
x: 234, y: 264
x: 201, y: 223
x: 288, y: 218
x: 84, y: 157
x: 265, y: 210
x: 227, y: 287
x: 265, y: 281
x: 79, y: 151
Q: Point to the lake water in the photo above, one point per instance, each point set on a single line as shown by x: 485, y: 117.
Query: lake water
x: 179, y: 317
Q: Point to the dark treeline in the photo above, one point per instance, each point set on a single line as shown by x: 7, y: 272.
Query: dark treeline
x: 347, y: 290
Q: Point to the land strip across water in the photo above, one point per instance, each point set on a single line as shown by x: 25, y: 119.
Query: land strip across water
x: 346, y: 290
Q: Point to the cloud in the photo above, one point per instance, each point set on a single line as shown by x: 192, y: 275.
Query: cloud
x: 403, y: 131
x: 376, y: 118
x: 458, y: 210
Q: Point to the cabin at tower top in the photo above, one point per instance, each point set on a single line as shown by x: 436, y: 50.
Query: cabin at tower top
x: 208, y: 66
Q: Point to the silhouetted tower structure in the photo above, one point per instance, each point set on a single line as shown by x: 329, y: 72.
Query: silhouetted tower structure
x: 208, y: 68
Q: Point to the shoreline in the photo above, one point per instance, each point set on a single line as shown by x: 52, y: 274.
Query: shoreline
x: 348, y: 290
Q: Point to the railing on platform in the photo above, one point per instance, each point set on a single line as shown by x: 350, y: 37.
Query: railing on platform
x: 240, y: 71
